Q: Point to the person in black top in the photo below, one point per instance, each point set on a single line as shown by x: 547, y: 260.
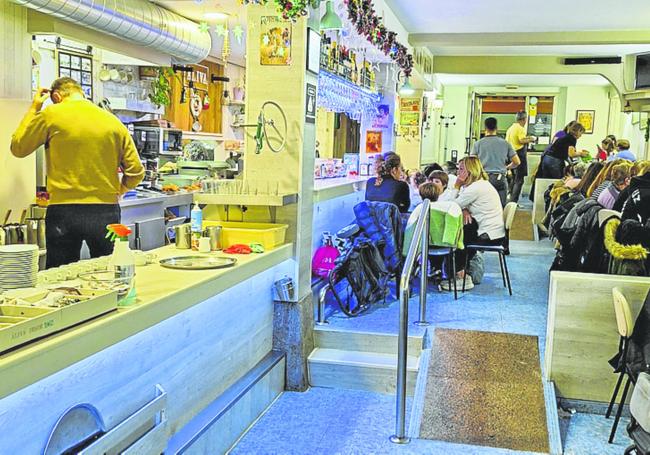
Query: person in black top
x: 552, y: 166
x: 388, y: 186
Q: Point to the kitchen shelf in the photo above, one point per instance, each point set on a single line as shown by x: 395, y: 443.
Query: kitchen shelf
x: 265, y: 200
x: 194, y: 136
x: 124, y: 104
x: 236, y: 103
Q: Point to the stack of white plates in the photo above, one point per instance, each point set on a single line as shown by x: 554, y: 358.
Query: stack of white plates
x: 18, y: 266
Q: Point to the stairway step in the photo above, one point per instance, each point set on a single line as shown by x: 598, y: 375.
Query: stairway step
x: 324, y: 337
x: 358, y: 370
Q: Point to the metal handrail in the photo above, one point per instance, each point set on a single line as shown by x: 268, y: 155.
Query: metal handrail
x: 420, y: 239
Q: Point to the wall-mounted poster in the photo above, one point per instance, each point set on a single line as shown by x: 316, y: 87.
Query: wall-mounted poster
x: 409, y: 118
x: 382, y: 121
x: 374, y: 142
x: 275, y: 41
x: 409, y: 105
x: 586, y: 119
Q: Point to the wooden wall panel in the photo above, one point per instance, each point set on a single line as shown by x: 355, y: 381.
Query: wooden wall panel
x: 15, y: 53
x: 210, y: 119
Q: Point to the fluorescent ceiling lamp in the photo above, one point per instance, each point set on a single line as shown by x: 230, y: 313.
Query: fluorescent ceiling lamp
x: 406, y: 89
x: 330, y: 20
x: 216, y: 16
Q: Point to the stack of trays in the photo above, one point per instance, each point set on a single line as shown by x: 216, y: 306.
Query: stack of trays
x: 18, y: 266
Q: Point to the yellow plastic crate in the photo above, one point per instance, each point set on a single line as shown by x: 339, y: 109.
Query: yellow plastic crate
x: 233, y: 233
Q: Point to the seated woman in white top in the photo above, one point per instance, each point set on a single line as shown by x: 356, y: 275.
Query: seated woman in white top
x: 482, y: 211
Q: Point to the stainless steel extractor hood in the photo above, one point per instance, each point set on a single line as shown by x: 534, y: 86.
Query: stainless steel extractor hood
x: 137, y: 21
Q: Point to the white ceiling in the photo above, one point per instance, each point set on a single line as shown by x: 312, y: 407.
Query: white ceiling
x: 522, y: 80
x: 565, y: 50
x: 480, y: 16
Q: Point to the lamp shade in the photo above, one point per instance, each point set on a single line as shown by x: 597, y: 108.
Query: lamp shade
x: 406, y: 89
x: 330, y: 20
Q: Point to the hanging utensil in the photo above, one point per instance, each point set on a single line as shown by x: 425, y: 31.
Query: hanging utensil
x: 183, y: 99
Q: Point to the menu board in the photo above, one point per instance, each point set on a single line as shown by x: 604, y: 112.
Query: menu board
x: 79, y: 68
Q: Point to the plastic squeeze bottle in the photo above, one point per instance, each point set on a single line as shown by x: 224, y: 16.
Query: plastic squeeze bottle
x: 196, y: 220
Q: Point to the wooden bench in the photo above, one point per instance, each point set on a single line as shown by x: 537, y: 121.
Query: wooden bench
x: 541, y: 185
x: 582, y: 334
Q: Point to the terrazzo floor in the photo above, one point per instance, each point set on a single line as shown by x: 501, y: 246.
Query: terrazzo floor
x: 331, y: 421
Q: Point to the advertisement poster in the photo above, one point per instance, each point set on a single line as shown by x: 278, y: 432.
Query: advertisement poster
x: 275, y: 41
x: 586, y: 119
x: 409, y: 105
x: 382, y: 121
x: 409, y: 118
x: 374, y: 142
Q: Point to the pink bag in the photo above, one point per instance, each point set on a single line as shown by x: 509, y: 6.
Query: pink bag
x: 324, y: 260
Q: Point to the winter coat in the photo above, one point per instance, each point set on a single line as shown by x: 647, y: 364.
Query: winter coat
x: 638, y: 354
x: 637, y: 206
x: 587, y: 223
x: 624, y: 259
x: 382, y: 223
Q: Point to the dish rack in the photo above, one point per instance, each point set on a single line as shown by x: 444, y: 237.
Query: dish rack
x: 22, y: 322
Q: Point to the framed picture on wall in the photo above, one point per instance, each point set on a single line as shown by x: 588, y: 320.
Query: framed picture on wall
x: 586, y: 119
x: 313, y: 51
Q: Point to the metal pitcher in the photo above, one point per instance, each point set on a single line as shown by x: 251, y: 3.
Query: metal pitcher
x: 35, y: 230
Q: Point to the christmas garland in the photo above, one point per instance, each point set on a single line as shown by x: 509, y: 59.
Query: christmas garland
x: 287, y: 9
x: 362, y: 15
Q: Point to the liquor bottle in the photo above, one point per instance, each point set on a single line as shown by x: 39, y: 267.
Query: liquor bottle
x: 335, y: 57
x: 355, y: 70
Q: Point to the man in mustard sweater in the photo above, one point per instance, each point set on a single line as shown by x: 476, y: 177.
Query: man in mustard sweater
x: 84, y: 147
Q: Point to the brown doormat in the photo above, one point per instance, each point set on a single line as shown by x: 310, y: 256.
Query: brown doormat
x: 485, y: 389
x: 522, y: 226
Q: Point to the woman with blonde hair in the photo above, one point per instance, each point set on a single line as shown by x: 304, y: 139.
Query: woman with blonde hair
x: 602, y: 180
x: 552, y: 165
x: 482, y: 211
x: 619, y: 180
x: 637, y: 170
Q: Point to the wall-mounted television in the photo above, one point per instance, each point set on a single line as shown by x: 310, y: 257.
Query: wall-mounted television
x: 642, y: 71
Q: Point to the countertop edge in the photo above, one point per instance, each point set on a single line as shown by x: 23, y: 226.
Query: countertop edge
x: 34, y: 362
x: 333, y: 188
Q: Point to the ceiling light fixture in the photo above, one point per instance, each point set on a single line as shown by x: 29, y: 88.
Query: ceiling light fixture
x: 330, y: 20
x: 216, y: 16
x: 406, y: 89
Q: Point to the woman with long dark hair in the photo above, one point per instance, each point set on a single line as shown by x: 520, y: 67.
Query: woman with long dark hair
x: 553, y: 160
x: 388, y: 186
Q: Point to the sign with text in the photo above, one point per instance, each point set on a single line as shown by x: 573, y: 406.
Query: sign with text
x: 310, y: 108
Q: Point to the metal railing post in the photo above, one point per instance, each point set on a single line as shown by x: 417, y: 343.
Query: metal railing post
x: 321, y: 306
x: 424, y: 272
x: 402, y: 343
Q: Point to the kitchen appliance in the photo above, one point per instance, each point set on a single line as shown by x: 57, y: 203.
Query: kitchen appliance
x: 154, y: 141
x: 156, y: 146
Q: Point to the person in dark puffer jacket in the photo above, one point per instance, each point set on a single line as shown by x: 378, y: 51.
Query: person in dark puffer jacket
x: 637, y: 206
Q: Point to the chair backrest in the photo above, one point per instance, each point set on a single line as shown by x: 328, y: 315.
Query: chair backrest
x: 509, y: 214
x: 623, y: 312
x: 605, y: 214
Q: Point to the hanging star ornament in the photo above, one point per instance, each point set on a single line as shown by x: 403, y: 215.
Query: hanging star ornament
x: 204, y: 27
x: 220, y: 30
x: 238, y: 33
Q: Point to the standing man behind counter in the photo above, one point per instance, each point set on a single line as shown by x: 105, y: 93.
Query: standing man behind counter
x: 497, y: 157
x: 516, y: 136
x: 84, y: 147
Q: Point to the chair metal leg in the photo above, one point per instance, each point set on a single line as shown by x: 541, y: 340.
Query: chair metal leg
x: 453, y: 269
x: 615, y: 394
x: 505, y: 266
x: 465, y: 271
x: 619, y: 411
x: 503, y: 274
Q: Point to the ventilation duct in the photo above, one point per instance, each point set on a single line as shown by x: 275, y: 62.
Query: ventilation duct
x: 137, y: 21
